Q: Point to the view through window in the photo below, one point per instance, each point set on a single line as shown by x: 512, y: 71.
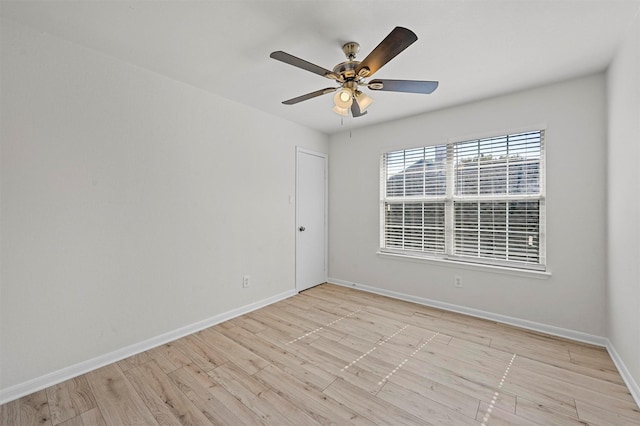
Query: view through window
x: 479, y: 200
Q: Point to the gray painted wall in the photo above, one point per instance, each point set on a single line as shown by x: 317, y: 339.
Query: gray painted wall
x: 574, y: 115
x: 132, y: 204
x: 623, y: 202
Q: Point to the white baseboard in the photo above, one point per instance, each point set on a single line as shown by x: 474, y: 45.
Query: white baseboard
x: 634, y: 389
x: 39, y: 383
x: 518, y: 322
x: 55, y: 377
x: 624, y: 372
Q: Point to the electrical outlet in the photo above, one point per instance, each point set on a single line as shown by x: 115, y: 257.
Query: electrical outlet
x: 457, y: 281
x: 246, y: 281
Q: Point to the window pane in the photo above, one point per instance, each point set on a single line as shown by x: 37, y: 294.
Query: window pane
x: 500, y: 165
x: 498, y: 230
x: 466, y: 167
x: 524, y: 231
x: 493, y: 227
x: 415, y: 226
x: 466, y: 229
x: 494, y: 196
x: 416, y: 172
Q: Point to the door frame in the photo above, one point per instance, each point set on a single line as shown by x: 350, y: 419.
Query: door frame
x: 325, y: 157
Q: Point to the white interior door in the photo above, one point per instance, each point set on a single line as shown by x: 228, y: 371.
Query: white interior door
x: 311, y: 219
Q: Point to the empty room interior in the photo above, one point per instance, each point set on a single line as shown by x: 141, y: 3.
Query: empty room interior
x: 320, y: 212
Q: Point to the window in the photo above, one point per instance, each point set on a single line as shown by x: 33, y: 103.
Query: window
x: 478, y: 201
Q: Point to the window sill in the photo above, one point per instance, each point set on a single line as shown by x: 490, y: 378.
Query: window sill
x: 539, y: 275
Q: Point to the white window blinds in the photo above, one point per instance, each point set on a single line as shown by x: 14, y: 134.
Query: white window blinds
x: 414, y: 208
x: 480, y: 200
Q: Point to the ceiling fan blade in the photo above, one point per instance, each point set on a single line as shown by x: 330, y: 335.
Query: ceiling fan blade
x: 310, y: 95
x: 408, y: 86
x: 301, y: 63
x: 397, y: 40
x: 355, y: 110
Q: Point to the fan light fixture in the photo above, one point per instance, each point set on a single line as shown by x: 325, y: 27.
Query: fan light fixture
x: 343, y: 98
x: 341, y: 111
x: 351, y: 74
x: 363, y: 100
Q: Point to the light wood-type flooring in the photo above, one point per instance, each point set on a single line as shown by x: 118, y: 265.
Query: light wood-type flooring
x: 333, y: 355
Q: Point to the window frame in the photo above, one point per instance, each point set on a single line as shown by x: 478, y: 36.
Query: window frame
x: 450, y: 198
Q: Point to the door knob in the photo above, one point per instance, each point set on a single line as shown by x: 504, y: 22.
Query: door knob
x: 302, y: 228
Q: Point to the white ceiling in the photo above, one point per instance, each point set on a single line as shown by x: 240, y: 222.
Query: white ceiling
x: 476, y: 49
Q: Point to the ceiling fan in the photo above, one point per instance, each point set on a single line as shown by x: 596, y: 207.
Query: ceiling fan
x: 351, y: 75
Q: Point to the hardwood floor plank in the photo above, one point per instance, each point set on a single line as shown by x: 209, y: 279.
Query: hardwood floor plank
x: 118, y: 401
x: 331, y: 293
x: 302, y: 370
x: 286, y: 409
x: 70, y: 399
x: 595, y: 359
x: 249, y: 324
x: 464, y: 383
x: 375, y: 409
x: 241, y: 356
x: 171, y: 357
x: 354, y: 326
x: 367, y: 373
x: 593, y: 414
x: 480, y: 350
x: 216, y: 411
x: 551, y: 391
x: 322, y: 409
x: 74, y: 421
x: 320, y: 357
x: 541, y: 391
x: 322, y: 317
x: 541, y: 351
x: 60, y: 403
x: 215, y: 393
x: 437, y: 392
x: 499, y: 417
x: 244, y: 413
x: 282, y: 338
x: 423, y: 407
x: 272, y: 323
x: 399, y: 317
x: 305, y: 301
x: 165, y: 364
x: 488, y: 376
x: 546, y: 414
x: 574, y: 367
x: 451, y: 329
x: 307, y: 311
x: 495, y: 363
x: 10, y: 413
x: 81, y: 394
x: 93, y: 417
x: 335, y: 355
x: 163, y: 397
x: 258, y: 397
x: 133, y: 361
x: 401, y: 345
x: 323, y: 329
x: 200, y: 353
x: 34, y: 409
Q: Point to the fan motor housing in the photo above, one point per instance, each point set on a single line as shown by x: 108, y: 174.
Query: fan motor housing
x: 347, y: 69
